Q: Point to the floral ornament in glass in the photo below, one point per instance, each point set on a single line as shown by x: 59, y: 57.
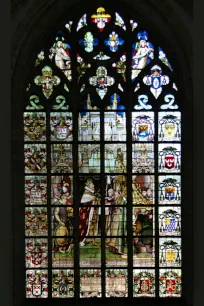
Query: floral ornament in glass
x: 40, y: 58
x: 113, y: 42
x: 89, y: 42
x: 81, y: 67
x: 121, y: 66
x: 101, y: 81
x: 46, y: 81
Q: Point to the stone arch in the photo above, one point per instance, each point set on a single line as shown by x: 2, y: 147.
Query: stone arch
x: 172, y: 24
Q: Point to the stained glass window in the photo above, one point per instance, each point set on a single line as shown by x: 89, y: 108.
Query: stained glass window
x: 102, y: 164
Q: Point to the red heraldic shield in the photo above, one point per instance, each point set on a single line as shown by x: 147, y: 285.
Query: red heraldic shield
x: 144, y: 285
x: 170, y: 285
x: 169, y: 162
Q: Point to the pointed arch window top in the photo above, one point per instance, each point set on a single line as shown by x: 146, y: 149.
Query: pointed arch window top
x: 102, y: 164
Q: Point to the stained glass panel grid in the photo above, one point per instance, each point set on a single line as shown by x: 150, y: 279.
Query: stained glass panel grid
x: 108, y: 206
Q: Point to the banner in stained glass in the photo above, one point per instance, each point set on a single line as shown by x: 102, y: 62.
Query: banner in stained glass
x: 170, y: 252
x: 169, y: 126
x: 169, y: 158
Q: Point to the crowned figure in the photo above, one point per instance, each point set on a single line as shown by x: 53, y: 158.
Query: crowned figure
x: 89, y: 214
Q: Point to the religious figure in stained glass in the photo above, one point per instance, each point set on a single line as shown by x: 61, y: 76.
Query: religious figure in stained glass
x: 88, y: 213
x: 143, y: 230
x: 61, y: 190
x: 59, y: 53
x: 143, y: 189
x: 143, y: 53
